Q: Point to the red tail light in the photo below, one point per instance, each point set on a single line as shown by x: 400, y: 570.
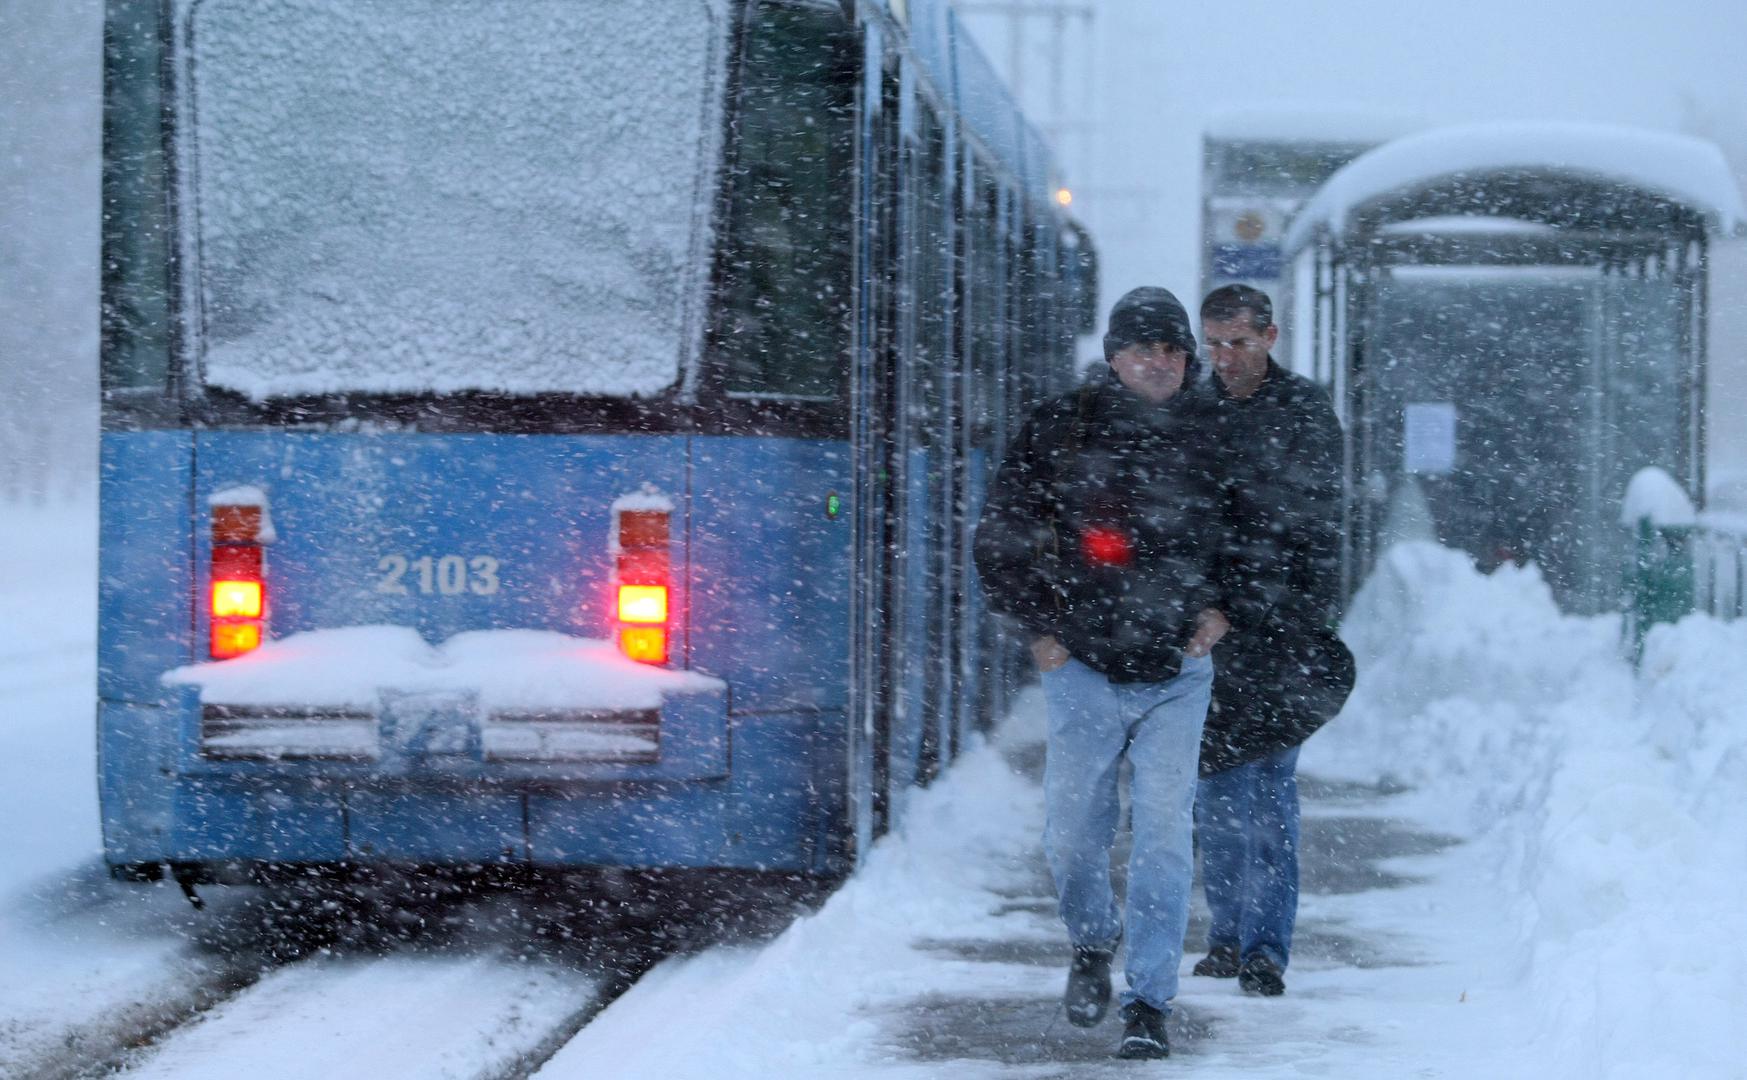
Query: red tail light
x: 643, y: 603
x: 237, y: 597
x: 642, y: 571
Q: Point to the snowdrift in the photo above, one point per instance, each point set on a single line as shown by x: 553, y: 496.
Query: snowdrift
x: 1613, y: 804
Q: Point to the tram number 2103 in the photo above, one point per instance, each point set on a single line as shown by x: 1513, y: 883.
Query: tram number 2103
x: 441, y: 575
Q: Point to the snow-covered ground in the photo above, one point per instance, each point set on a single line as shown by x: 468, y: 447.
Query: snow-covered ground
x: 1523, y: 859
x: 1587, y: 926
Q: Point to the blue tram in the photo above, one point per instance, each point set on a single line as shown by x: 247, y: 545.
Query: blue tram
x: 547, y: 434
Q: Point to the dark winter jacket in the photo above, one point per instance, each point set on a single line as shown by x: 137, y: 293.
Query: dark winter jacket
x: 1282, y: 672
x: 1101, y: 529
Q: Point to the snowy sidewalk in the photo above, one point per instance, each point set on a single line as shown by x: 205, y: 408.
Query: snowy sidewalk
x: 945, y: 958
x: 1521, y: 859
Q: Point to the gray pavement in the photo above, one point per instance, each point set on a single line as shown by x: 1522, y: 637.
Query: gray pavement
x: 1348, y: 840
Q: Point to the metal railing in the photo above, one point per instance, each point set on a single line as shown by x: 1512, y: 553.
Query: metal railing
x: 1719, y: 570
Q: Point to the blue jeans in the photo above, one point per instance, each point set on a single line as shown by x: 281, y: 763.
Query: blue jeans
x: 1093, y: 723
x: 1247, y: 818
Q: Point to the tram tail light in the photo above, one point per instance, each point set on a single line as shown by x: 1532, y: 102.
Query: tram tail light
x: 642, y: 572
x: 643, y: 603
x: 237, y: 593
x: 241, y: 599
x: 234, y: 639
x: 644, y: 644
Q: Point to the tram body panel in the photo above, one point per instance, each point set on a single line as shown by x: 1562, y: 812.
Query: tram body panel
x: 443, y: 533
x: 145, y: 576
x: 771, y: 562
x: 145, y: 594
x: 919, y: 647
x: 760, y: 577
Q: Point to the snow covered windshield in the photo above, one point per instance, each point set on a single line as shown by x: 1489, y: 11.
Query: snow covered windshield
x: 450, y: 195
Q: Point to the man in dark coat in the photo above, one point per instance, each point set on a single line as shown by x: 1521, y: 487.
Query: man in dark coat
x: 1283, y: 672
x: 1101, y: 538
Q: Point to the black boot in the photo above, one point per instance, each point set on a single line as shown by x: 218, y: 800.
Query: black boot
x: 1219, y: 963
x: 1260, y: 975
x: 1143, y: 1036
x: 1088, y: 994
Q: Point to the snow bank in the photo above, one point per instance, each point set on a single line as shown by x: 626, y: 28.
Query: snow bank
x: 1435, y: 638
x: 48, y: 675
x: 509, y: 669
x: 1613, y: 807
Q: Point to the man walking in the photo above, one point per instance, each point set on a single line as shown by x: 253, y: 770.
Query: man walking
x: 1283, y: 672
x: 1101, y: 539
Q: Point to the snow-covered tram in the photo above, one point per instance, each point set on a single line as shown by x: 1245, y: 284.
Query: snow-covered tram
x: 546, y: 434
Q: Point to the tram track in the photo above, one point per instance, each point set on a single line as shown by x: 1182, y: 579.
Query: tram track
x: 499, y: 980
x: 725, y: 910
x: 232, y: 948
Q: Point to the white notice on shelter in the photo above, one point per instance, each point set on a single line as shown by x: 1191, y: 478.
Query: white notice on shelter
x: 1429, y: 437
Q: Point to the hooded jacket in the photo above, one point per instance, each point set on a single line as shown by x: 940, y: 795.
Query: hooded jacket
x: 1102, y: 529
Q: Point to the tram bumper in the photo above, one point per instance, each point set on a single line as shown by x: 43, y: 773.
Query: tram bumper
x: 448, y: 736
x: 436, y: 780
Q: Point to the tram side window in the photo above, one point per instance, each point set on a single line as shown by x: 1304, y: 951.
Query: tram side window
x: 784, y: 329
x: 932, y: 281
x: 1019, y: 368
x: 985, y: 312
x: 1038, y: 287
x: 136, y: 228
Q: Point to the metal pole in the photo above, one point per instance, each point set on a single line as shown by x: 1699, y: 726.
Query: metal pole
x: 1059, y: 24
x: 1701, y: 292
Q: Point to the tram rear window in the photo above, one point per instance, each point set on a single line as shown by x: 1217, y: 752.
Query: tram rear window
x: 432, y: 196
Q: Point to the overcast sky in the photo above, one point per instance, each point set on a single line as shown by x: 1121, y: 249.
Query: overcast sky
x: 1157, y: 70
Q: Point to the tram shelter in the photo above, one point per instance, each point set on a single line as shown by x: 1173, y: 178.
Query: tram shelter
x: 1512, y: 321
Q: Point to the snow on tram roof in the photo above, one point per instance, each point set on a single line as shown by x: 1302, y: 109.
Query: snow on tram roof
x: 1688, y: 170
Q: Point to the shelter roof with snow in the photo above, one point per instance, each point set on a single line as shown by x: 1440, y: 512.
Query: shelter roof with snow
x: 1583, y: 177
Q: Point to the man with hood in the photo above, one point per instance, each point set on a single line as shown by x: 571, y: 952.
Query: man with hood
x: 1283, y: 672
x: 1101, y: 539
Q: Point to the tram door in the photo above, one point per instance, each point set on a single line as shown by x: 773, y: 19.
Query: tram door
x: 875, y: 443
x: 935, y: 481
